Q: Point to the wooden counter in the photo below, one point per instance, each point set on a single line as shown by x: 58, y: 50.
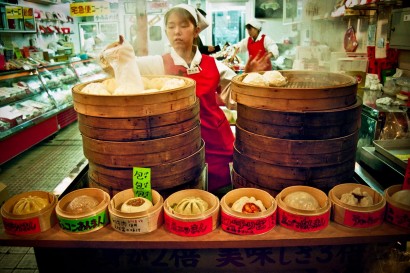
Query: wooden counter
x: 279, y: 236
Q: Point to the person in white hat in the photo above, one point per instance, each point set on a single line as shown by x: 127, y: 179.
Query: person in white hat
x: 183, y: 24
x: 257, y: 43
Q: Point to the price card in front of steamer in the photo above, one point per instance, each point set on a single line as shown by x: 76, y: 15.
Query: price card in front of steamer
x: 141, y: 182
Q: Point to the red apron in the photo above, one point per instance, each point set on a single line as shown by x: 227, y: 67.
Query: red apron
x: 255, y: 46
x: 215, y: 129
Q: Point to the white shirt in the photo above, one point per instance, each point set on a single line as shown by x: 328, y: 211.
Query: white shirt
x: 154, y: 65
x: 269, y: 45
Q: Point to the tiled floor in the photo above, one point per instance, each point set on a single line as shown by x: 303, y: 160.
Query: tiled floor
x: 45, y: 166
x: 17, y: 260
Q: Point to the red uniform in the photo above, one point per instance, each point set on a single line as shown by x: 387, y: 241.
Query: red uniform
x: 255, y: 46
x: 215, y: 128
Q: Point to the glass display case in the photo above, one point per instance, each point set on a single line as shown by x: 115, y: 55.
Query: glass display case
x: 36, y: 104
x: 59, y: 80
x: 89, y: 70
x: 23, y: 99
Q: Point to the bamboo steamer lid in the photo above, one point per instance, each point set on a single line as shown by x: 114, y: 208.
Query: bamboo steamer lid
x: 136, y: 222
x: 138, y: 105
x: 357, y: 216
x: 305, y: 91
x: 191, y: 225
x: 396, y: 213
x: 32, y: 223
x: 252, y: 223
x: 88, y: 221
x: 300, y: 219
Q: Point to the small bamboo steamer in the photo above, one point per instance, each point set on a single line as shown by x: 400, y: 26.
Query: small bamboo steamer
x: 85, y: 222
x: 252, y: 223
x: 191, y: 225
x: 31, y: 223
x: 136, y: 222
x: 304, y: 220
x: 396, y: 213
x: 355, y: 216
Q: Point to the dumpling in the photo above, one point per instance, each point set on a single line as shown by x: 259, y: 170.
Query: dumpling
x: 110, y: 85
x: 274, y: 78
x: 254, y: 78
x: 301, y: 200
x: 191, y: 206
x: 156, y: 83
x: 357, y: 198
x: 29, y: 204
x: 248, y: 205
x: 173, y: 83
x: 81, y: 204
x: 136, y: 204
x: 402, y: 197
x: 95, y: 88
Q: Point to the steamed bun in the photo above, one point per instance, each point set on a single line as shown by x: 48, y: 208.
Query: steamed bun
x: 301, y: 200
x: 191, y: 206
x: 136, y: 204
x: 248, y: 205
x: 402, y: 197
x: 95, y: 88
x: 81, y: 204
x: 254, y: 78
x: 274, y: 78
x: 29, y: 204
x: 357, y: 197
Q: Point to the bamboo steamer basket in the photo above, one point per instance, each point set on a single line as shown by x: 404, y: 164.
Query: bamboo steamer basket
x: 142, y: 153
x: 305, y: 91
x: 304, y: 220
x: 88, y: 221
x: 252, y: 223
x: 32, y: 223
x: 197, y: 183
x: 396, y: 213
x: 140, y: 128
x: 191, y: 225
x: 137, y: 222
x: 356, y: 216
x: 138, y: 105
x: 278, y: 177
x: 164, y: 176
x: 239, y: 182
x: 312, y: 125
x: 296, y: 153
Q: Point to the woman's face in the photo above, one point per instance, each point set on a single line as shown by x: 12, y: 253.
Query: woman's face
x: 253, y: 32
x: 180, y: 31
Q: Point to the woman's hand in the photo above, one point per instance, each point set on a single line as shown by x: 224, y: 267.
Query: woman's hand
x: 258, y: 63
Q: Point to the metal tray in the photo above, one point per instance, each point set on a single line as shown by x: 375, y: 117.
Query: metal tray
x: 396, y: 150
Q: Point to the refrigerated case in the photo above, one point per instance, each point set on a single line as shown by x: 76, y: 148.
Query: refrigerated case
x: 27, y: 113
x: 36, y: 104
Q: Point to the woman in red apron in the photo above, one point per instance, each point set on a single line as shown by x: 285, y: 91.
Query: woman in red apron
x: 183, y: 24
x: 257, y: 43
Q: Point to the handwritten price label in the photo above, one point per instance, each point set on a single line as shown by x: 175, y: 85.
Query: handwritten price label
x: 141, y: 181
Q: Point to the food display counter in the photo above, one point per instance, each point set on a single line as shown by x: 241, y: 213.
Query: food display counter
x: 334, y: 248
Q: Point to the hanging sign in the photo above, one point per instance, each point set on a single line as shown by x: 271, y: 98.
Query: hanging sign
x: 28, y: 13
x: 82, y: 9
x: 14, y: 12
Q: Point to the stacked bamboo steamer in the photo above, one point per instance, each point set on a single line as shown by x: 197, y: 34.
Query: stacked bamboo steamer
x: 304, y: 133
x: 158, y: 130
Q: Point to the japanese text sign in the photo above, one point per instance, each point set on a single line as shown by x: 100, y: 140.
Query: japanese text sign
x: 81, y: 9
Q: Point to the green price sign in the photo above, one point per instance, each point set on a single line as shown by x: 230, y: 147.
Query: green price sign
x: 141, y: 182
